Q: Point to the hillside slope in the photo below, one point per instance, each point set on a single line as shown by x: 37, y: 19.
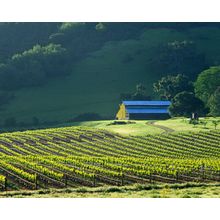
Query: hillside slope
x: 143, y: 127
x: 97, y: 80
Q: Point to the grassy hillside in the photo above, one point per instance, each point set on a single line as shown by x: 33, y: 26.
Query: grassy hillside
x: 96, y: 82
x: 140, y: 128
x: 133, y: 128
x: 182, y: 124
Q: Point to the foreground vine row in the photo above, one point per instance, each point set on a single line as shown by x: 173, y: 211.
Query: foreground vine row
x: 56, y: 171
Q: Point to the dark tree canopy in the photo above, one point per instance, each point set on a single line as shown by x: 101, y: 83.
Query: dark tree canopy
x: 167, y: 87
x: 207, y: 83
x: 33, y: 67
x: 185, y: 103
x: 139, y: 94
x: 5, y: 97
x: 179, y: 57
x: 214, y: 103
x: 17, y: 37
x: 10, y: 122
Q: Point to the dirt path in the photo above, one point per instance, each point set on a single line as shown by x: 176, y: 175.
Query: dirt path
x: 166, y: 129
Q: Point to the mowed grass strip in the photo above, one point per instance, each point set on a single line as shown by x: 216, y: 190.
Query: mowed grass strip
x: 187, y: 190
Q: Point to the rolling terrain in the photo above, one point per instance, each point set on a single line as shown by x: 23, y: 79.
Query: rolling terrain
x: 83, y: 156
x: 142, y: 127
x: 61, y: 86
x: 97, y: 79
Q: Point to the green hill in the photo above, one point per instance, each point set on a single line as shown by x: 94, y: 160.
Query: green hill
x: 107, y: 63
x: 143, y: 127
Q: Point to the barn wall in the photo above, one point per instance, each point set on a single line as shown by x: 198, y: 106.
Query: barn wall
x: 148, y: 116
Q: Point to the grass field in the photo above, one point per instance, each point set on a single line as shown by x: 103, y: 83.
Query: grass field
x: 189, y: 190
x: 182, y: 124
x: 144, y: 127
x: 136, y: 128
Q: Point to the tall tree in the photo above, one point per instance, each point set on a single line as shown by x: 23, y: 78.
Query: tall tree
x: 179, y: 57
x: 207, y: 83
x: 185, y: 103
x: 167, y: 87
x: 214, y: 103
x: 139, y: 94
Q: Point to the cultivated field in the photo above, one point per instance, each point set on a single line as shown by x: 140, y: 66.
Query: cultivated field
x: 83, y: 156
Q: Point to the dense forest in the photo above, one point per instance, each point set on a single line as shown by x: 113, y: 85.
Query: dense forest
x: 60, y: 72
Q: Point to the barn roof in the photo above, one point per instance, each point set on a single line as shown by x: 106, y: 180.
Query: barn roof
x: 147, y: 110
x: 146, y: 103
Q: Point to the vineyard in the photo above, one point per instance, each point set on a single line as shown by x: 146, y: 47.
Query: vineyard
x: 80, y: 156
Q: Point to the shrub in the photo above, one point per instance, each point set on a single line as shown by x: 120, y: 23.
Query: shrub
x: 10, y: 122
x: 87, y: 117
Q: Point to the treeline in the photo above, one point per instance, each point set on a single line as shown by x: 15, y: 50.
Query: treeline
x: 32, y: 53
x: 179, y: 57
x: 201, y: 96
x: 11, y: 123
x: 18, y: 37
x: 34, y: 67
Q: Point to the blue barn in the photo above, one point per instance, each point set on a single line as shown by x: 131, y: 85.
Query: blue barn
x: 138, y: 110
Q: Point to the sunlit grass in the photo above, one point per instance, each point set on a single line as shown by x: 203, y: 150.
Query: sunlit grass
x: 134, y: 128
x: 189, y: 190
x: 182, y: 124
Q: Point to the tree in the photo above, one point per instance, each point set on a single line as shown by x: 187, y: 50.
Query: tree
x: 34, y: 67
x: 179, y: 57
x: 100, y: 27
x: 125, y: 96
x: 215, y: 123
x: 207, y: 83
x: 10, y: 122
x: 185, y: 103
x: 5, y: 97
x: 139, y: 94
x: 169, y: 86
x: 214, y: 103
x: 69, y: 26
x: 90, y: 116
x: 35, y: 121
x: 194, y: 122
